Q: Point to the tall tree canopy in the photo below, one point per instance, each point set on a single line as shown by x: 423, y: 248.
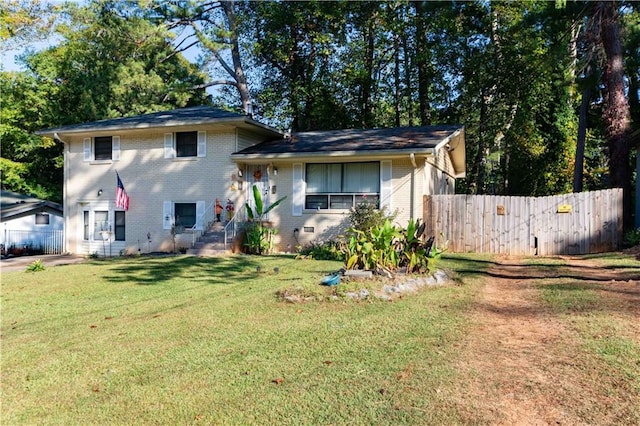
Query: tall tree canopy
x: 547, y: 91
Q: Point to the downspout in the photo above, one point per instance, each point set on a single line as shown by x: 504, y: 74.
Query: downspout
x: 412, y: 158
x: 65, y: 206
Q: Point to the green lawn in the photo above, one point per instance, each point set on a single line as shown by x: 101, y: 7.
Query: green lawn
x: 183, y: 340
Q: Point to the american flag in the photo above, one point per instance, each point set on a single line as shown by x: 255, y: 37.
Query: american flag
x: 122, y: 199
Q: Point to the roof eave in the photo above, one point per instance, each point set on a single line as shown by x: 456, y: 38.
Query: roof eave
x: 292, y: 156
x: 239, y: 121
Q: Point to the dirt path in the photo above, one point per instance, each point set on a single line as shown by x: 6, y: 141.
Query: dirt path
x: 520, y: 357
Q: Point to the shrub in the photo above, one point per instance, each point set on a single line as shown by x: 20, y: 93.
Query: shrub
x: 324, y: 250
x: 632, y: 238
x: 366, y: 215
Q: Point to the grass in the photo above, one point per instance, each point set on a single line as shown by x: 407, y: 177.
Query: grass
x: 182, y: 340
x: 604, y: 316
x: 185, y: 340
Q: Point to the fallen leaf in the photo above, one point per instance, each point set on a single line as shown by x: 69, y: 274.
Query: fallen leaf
x: 278, y: 381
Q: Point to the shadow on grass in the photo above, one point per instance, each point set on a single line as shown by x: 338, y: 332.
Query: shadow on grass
x: 546, y: 270
x: 158, y: 270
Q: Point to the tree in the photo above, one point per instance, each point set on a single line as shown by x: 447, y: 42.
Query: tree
x: 616, y: 112
x: 213, y: 26
x: 110, y: 63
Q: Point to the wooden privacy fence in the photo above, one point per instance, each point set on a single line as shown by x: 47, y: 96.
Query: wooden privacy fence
x: 579, y: 223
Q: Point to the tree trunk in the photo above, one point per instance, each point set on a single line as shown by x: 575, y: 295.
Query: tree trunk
x: 616, y: 106
x: 238, y: 71
x: 578, y: 170
x: 423, y: 64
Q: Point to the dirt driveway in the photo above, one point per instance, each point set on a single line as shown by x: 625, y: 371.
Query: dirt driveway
x: 525, y: 362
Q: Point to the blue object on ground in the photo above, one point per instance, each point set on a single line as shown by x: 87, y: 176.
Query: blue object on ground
x: 331, y: 280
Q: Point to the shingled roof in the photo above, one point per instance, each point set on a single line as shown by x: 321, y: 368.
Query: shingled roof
x: 410, y: 139
x: 14, y: 205
x: 164, y: 119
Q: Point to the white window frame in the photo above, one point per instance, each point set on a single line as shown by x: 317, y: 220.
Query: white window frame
x: 300, y: 187
x: 169, y: 209
x: 88, y: 149
x: 111, y: 215
x: 170, y: 150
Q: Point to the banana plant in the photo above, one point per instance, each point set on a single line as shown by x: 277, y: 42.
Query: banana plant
x: 258, y: 236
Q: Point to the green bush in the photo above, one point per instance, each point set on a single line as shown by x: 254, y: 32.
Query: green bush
x: 632, y: 238
x: 366, y: 215
x: 323, y: 250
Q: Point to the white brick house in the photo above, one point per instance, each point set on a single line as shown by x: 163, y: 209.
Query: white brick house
x: 174, y: 164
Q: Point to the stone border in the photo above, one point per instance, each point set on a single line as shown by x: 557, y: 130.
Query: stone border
x: 400, y: 286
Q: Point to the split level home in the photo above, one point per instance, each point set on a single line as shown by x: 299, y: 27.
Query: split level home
x: 174, y: 165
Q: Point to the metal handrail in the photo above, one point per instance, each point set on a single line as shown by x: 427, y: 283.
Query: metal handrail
x: 232, y: 225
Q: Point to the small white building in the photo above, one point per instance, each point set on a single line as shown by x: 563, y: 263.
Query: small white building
x: 30, y: 225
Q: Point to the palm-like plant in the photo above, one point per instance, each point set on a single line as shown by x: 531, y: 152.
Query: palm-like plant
x: 258, y: 235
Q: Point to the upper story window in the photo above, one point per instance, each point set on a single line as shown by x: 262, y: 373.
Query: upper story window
x: 341, y: 185
x: 102, y: 148
x: 185, y: 144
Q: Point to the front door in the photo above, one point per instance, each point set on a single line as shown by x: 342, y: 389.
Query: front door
x: 257, y: 175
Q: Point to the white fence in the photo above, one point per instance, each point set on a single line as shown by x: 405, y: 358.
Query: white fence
x: 579, y: 223
x: 33, y: 242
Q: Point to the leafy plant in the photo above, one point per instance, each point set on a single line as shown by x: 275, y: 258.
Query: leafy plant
x: 366, y: 215
x: 36, y: 266
x: 414, y: 249
x: 389, y: 248
x: 632, y: 238
x: 373, y: 249
x: 323, y: 250
x: 258, y: 237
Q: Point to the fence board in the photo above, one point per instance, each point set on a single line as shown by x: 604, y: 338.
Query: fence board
x: 526, y: 225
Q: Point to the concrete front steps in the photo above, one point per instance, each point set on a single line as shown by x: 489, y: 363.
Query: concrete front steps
x: 211, y: 243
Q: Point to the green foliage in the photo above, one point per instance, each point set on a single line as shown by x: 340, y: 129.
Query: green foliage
x: 366, y: 215
x: 36, y: 266
x: 632, y: 238
x: 323, y: 250
x: 373, y: 249
x: 389, y: 248
x: 259, y: 236
x: 110, y: 62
